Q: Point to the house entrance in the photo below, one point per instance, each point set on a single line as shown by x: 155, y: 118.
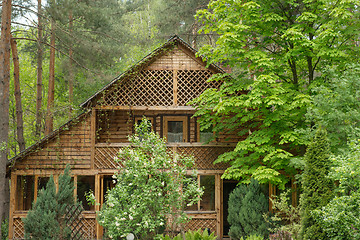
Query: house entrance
x: 228, y: 186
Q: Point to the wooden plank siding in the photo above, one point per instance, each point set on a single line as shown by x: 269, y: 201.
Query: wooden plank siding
x: 70, y: 146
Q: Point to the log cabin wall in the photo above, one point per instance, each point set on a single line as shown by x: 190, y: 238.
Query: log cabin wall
x: 159, y: 88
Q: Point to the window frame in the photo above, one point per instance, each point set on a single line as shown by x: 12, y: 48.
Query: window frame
x: 183, y: 119
x: 198, y: 204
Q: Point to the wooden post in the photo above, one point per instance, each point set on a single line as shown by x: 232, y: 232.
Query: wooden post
x: 218, y: 205
x: 272, y: 194
x: 75, y: 187
x: 97, y: 202
x: 12, y: 204
x: 175, y: 88
x: 56, y: 181
x: 36, y: 187
x: 93, y: 136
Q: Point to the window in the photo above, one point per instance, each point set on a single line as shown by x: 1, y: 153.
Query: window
x: 205, y: 135
x: 85, y: 184
x: 207, y: 202
x: 175, y: 129
x: 24, y: 192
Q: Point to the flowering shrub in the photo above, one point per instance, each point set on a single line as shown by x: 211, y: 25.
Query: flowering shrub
x: 151, y: 189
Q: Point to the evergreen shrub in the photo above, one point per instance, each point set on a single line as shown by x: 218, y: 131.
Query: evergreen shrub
x: 46, y: 219
x: 317, y: 186
x: 247, y: 205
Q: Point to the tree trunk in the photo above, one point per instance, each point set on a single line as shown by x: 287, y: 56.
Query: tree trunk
x: 71, y: 71
x: 17, y: 93
x: 50, y: 104
x: 4, y: 97
x: 39, y: 73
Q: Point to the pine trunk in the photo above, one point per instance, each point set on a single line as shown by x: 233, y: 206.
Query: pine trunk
x: 17, y: 93
x: 4, y: 98
x: 50, y: 104
x: 71, y: 72
x: 39, y: 74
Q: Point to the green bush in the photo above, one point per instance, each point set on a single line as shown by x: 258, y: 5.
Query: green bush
x: 253, y: 237
x: 340, y: 218
x: 285, y: 221
x: 191, y: 235
x: 5, y: 229
x: 145, y: 195
x: 247, y: 205
x: 317, y: 186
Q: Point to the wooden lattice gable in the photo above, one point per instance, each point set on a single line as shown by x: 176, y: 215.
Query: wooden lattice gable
x: 69, y: 144
x: 171, y: 75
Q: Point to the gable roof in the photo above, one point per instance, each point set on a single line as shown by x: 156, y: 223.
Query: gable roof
x: 146, y: 61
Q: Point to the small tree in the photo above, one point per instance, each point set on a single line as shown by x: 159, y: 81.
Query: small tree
x: 151, y: 189
x: 317, y: 187
x: 247, y: 205
x: 46, y: 219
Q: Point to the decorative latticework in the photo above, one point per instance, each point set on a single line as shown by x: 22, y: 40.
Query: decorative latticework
x: 88, y: 228
x: 201, y: 223
x: 18, y: 228
x: 146, y: 88
x: 205, y: 156
x: 191, y: 83
x: 104, y: 158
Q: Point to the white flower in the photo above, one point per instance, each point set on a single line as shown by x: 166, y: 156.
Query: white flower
x: 122, y: 219
x: 161, y: 223
x: 111, y: 204
x: 117, y: 224
x: 130, y: 217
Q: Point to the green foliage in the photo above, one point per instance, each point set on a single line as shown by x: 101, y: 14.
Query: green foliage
x: 148, y: 192
x: 4, y: 229
x: 247, y: 204
x: 285, y: 223
x: 253, y: 237
x: 279, y: 48
x: 317, y: 187
x: 190, y: 235
x: 340, y: 218
x: 46, y: 219
x: 335, y: 106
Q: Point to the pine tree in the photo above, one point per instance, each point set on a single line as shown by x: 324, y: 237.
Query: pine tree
x: 317, y: 188
x: 247, y: 204
x: 46, y: 219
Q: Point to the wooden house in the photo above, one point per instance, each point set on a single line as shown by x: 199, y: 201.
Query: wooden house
x: 158, y: 87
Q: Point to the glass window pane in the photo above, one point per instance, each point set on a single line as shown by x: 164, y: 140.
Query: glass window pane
x: 85, y: 184
x: 175, y: 131
x: 42, y: 181
x: 206, y: 135
x: 208, y: 199
x: 24, y: 192
x: 193, y: 207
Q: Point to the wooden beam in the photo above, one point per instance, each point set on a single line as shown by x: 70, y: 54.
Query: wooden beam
x: 145, y: 108
x: 36, y: 187
x: 218, y: 205
x: 97, y: 202
x: 92, y: 137
x: 12, y: 204
x: 180, y: 144
x: 175, y: 88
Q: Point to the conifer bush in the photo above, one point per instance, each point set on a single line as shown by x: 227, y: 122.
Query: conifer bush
x: 247, y: 204
x: 317, y: 187
x: 46, y: 219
